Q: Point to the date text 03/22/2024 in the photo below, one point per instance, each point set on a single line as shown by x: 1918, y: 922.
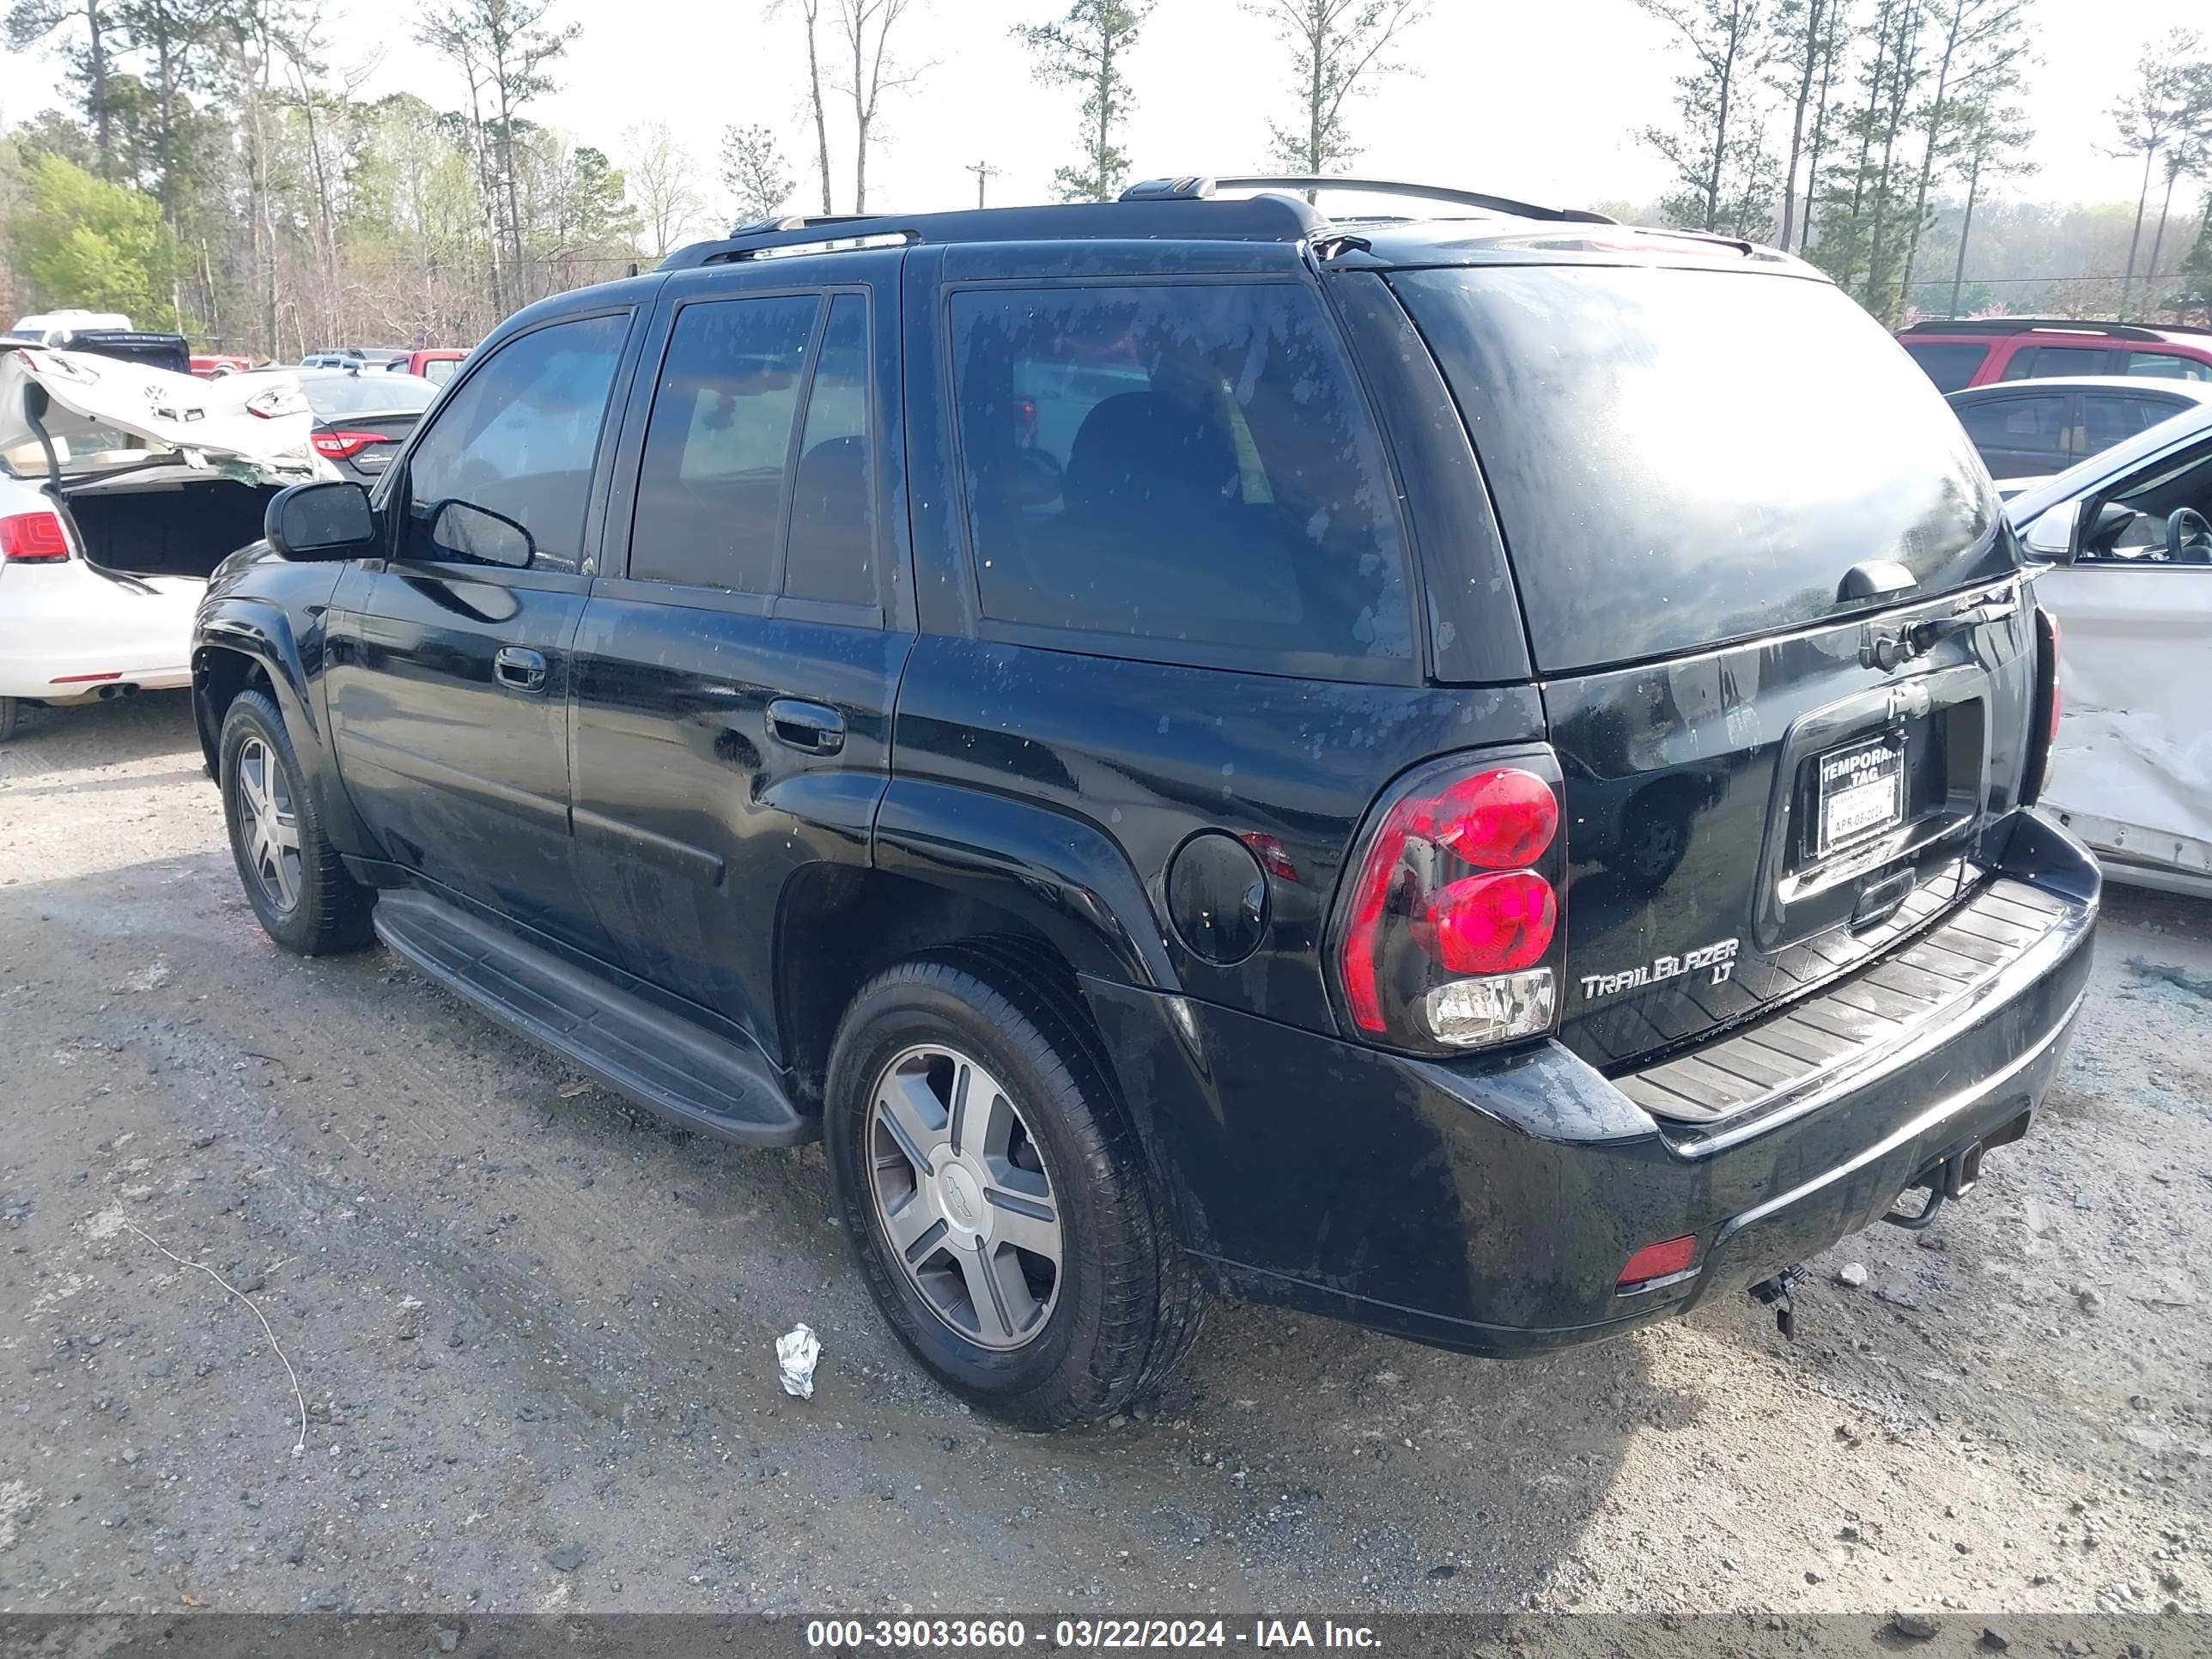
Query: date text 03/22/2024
x: 1011, y: 1635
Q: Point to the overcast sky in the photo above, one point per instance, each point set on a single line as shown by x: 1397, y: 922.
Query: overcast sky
x: 1539, y: 100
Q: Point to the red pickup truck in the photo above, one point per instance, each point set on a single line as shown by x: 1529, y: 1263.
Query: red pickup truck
x: 435, y: 364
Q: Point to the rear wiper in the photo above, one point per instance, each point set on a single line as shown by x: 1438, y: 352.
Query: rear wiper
x: 1977, y: 612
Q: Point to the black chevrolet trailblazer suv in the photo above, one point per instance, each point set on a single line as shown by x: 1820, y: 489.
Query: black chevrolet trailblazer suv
x: 1409, y: 767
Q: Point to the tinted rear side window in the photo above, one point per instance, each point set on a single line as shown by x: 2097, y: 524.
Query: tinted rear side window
x: 2109, y: 418
x: 2053, y: 363
x: 1187, y: 463
x: 2014, y: 426
x: 831, y: 554
x: 2164, y: 366
x: 1951, y: 366
x: 1666, y: 479
x: 710, y: 490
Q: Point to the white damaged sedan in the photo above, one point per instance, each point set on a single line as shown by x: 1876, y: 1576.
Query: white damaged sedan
x: 121, y: 488
x: 2123, y: 545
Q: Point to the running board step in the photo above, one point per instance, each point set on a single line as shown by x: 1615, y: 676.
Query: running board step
x: 661, y: 1061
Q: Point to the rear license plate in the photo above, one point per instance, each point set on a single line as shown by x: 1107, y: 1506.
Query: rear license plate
x: 1860, y: 793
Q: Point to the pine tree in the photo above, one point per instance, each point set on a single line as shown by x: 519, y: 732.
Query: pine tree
x: 1335, y: 46
x: 1726, y: 177
x: 1089, y: 48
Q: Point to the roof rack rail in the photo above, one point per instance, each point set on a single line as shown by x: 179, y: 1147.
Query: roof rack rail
x: 2052, y: 326
x: 1198, y: 186
x: 796, y: 221
x: 1256, y: 219
x: 768, y: 237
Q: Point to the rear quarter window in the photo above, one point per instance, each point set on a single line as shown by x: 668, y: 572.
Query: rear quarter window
x: 1189, y: 465
x: 1950, y: 364
x: 2164, y: 366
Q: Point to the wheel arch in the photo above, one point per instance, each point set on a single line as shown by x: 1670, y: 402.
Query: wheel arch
x: 838, y: 925
x: 242, y: 644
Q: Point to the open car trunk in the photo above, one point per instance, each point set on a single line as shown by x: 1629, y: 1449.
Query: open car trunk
x: 166, y: 526
x: 163, y: 476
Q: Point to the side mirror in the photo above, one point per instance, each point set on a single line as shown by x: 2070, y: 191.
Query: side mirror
x: 1032, y: 478
x: 2097, y: 525
x: 468, y: 532
x: 328, y: 520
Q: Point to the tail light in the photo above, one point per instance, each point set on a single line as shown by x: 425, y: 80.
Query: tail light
x: 2046, y: 643
x: 1450, y: 936
x: 2043, y: 738
x: 33, y: 538
x: 279, y: 400
x: 345, y: 445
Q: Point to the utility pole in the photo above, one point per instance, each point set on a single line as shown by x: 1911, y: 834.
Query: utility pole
x: 982, y: 170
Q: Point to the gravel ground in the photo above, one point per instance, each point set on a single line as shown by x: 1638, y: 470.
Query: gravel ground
x: 533, y: 1332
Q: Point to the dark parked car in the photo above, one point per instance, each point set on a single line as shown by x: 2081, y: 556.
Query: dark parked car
x: 1046, y: 701
x: 131, y: 345
x: 362, y: 419
x: 2032, y: 429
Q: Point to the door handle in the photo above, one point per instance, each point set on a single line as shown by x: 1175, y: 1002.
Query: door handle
x: 519, y: 667
x: 814, y: 727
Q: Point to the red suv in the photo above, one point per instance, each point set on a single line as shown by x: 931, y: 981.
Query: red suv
x: 1979, y: 350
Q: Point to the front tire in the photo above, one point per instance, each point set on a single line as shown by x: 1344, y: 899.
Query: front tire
x: 996, y: 1197
x: 292, y: 876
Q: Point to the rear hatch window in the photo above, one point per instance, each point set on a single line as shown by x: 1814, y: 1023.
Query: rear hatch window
x: 1950, y: 364
x: 1685, y: 458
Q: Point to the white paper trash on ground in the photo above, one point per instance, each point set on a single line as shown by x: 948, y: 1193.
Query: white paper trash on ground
x: 796, y: 1351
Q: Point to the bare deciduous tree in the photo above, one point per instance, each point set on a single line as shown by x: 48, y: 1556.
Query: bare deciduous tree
x: 1088, y: 48
x: 866, y: 27
x: 810, y: 14
x: 1335, y: 46
x: 663, y: 186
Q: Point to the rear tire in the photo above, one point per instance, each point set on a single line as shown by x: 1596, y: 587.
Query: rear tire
x: 1034, y: 1139
x: 293, y: 877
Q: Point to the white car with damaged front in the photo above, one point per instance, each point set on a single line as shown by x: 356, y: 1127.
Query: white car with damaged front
x: 2123, y: 543
x: 121, y: 488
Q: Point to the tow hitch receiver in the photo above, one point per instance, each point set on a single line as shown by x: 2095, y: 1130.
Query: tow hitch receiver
x: 1775, y: 1293
x: 1951, y: 1177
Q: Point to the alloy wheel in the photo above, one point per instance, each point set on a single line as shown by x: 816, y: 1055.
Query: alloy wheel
x: 961, y: 1193
x: 268, y: 826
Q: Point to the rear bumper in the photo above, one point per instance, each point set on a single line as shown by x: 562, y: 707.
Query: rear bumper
x: 1490, y: 1206
x: 60, y: 627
